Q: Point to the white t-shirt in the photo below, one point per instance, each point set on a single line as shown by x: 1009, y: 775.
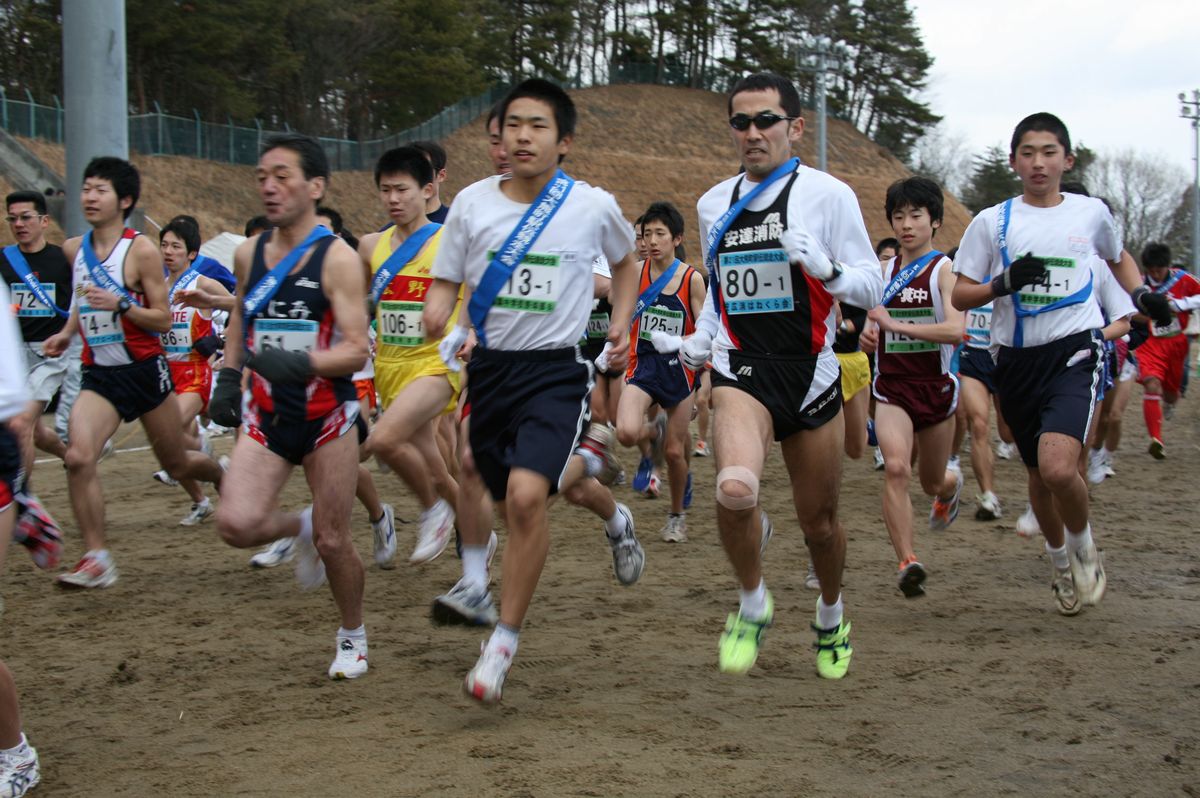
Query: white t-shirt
x: 14, y: 394
x: 1114, y: 302
x: 547, y: 302
x: 1077, y: 236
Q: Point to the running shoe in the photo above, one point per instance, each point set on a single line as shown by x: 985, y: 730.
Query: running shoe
x: 1087, y: 570
x: 205, y: 443
x: 89, y: 572
x: 872, y: 440
x: 310, y: 568
x: 1027, y: 524
x: 598, y: 440
x: 989, y: 507
x: 766, y: 530
x: 466, y: 604
x: 1063, y: 586
x: 485, y: 682
x: 1157, y: 450
x: 38, y: 532
x: 384, y: 532
x: 641, y: 479
x: 165, y: 478
x: 106, y: 451
x: 658, y: 446
x: 277, y: 553
x: 879, y: 464
x: 1168, y: 411
x: 687, y: 492
x: 201, y: 511
x: 943, y: 513
x: 738, y: 649
x: 1006, y: 451
x: 654, y: 488
x: 493, y: 544
x: 701, y: 449
x: 911, y: 578
x: 1108, y: 464
x: 833, y: 650
x: 19, y: 771
x: 629, y: 560
x: 1095, y: 471
x: 811, y: 582
x: 621, y: 479
x: 675, y: 530
x: 437, y: 524
x: 350, y: 662
x: 953, y: 464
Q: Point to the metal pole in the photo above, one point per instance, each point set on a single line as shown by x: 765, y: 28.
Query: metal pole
x: 1190, y: 110
x: 821, y: 134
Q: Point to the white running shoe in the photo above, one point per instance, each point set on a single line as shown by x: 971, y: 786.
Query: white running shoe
x: 1087, y: 569
x: 1027, y: 524
x: 165, y: 478
x: 598, y: 440
x: 106, y: 451
x: 629, y: 560
x: 811, y: 581
x: 654, y: 488
x: 1095, y: 471
x: 384, y: 531
x: 351, y: 659
x: 989, y: 507
x: 879, y: 464
x: 1006, y: 451
x: 466, y: 604
x: 767, y: 530
x: 493, y: 544
x: 19, y: 771
x: 201, y: 511
x: 277, y: 553
x: 485, y: 682
x: 953, y: 464
x: 1108, y: 464
x: 701, y: 449
x: 310, y: 568
x: 675, y: 530
x: 89, y: 572
x: 437, y: 527
x: 1063, y: 586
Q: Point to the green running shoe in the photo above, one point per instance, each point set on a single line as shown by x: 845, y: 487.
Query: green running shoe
x: 833, y: 651
x: 738, y: 650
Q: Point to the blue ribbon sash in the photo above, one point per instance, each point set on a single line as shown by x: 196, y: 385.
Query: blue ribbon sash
x: 906, y: 276
x: 400, y: 258
x: 16, y: 259
x: 262, y: 293
x: 100, y: 275
x: 652, y: 292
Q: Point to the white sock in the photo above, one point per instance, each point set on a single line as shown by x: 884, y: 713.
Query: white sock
x: 615, y: 525
x: 102, y: 555
x: 475, y: 565
x: 354, y: 634
x: 592, y: 464
x: 204, y: 502
x: 1081, y: 541
x: 504, y: 636
x: 754, y: 602
x: 1059, y: 557
x: 829, y: 616
x: 306, y: 532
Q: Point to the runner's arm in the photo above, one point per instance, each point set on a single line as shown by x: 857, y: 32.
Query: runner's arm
x: 696, y: 293
x: 235, y: 336
x: 1126, y: 271
x: 439, y: 304
x: 624, y: 296
x: 948, y: 331
x: 342, y: 282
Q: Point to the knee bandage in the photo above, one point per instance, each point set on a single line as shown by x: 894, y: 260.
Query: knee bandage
x: 744, y: 476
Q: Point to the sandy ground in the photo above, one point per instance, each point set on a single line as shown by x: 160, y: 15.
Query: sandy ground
x: 195, y: 675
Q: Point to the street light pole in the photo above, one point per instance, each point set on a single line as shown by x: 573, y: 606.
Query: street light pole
x: 1190, y: 109
x: 821, y: 56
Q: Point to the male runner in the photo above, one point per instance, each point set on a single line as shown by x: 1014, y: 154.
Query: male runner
x: 784, y: 243
x: 435, y: 153
x: 524, y: 245
x: 303, y: 331
x: 121, y: 306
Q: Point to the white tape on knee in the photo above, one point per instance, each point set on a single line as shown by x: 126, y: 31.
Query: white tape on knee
x: 737, y: 474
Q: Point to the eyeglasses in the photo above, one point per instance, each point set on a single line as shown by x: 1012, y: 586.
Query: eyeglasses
x: 761, y: 120
x: 25, y: 217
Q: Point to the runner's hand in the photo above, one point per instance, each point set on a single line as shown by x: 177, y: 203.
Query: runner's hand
x: 665, y: 343
x: 602, y: 358
x: 803, y: 249
x: 695, y: 350
x: 1156, y: 306
x: 281, y: 366
x: 55, y: 345
x: 448, y: 347
x: 209, y: 345
x: 225, y: 406
x: 618, y: 349
x: 1025, y: 270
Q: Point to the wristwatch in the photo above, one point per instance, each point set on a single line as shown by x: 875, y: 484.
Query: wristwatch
x: 123, y: 306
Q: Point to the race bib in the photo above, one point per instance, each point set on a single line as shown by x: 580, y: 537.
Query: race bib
x: 293, y: 335
x: 1167, y: 330
x: 26, y: 302
x: 400, y: 323
x: 179, y: 340
x: 979, y: 326
x: 101, y: 327
x: 1062, y: 280
x: 659, y: 318
x: 534, y: 286
x: 597, y: 327
x: 900, y: 344
x: 756, y: 282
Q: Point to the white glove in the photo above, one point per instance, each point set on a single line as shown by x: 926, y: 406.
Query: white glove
x: 665, y: 343
x: 602, y: 358
x: 448, y: 347
x: 802, y: 248
x: 696, y: 349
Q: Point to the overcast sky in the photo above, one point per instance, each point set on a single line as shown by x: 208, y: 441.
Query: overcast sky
x: 1111, y: 71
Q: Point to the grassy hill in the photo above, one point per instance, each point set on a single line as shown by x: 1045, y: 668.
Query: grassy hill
x: 642, y: 143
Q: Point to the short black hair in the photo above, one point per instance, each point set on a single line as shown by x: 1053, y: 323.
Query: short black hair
x: 1156, y: 256
x: 1045, y: 123
x: 495, y: 112
x: 887, y: 243
x: 435, y: 152
x: 553, y: 95
x: 123, y: 175
x: 666, y: 213
x: 1074, y: 187
x: 313, y: 160
x: 409, y: 160
x: 187, y: 231
x: 256, y: 224
x: 789, y: 98
x: 915, y: 192
x: 335, y: 218
x: 38, y: 200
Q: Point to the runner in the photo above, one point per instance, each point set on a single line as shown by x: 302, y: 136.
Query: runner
x: 435, y: 154
x: 303, y: 331
x: 771, y: 311
x: 524, y: 245
x: 1106, y: 436
x: 671, y: 296
x: 121, y: 306
x: 885, y: 249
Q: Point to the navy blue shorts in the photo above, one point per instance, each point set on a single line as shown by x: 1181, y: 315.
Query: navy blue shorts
x: 1049, y: 388
x: 528, y: 410
x: 133, y: 389
x: 978, y: 365
x: 663, y: 377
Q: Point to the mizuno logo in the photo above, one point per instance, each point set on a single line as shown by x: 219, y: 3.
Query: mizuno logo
x: 745, y: 371
x: 304, y: 282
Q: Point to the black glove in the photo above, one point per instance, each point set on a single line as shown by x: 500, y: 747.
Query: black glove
x: 1025, y: 270
x: 281, y: 366
x: 225, y: 406
x: 209, y: 345
x: 1156, y: 306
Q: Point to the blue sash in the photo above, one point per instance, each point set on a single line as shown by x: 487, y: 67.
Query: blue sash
x: 399, y: 258
x: 1022, y: 313
x: 99, y: 274
x: 717, y: 231
x: 906, y: 276
x: 515, y: 248
x: 183, y: 279
x: 1163, y: 287
x: 262, y: 293
x: 647, y: 297
x: 16, y: 259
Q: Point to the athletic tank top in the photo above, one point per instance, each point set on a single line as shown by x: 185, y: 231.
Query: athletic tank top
x: 768, y: 305
x: 401, y: 335
x: 188, y: 326
x: 920, y: 303
x: 670, y: 313
x: 110, y: 338
x: 299, y: 318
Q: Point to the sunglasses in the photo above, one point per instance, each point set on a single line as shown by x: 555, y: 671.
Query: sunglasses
x: 25, y: 217
x: 761, y: 120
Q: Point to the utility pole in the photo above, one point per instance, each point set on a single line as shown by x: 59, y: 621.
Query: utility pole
x: 1190, y: 109
x: 821, y: 56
